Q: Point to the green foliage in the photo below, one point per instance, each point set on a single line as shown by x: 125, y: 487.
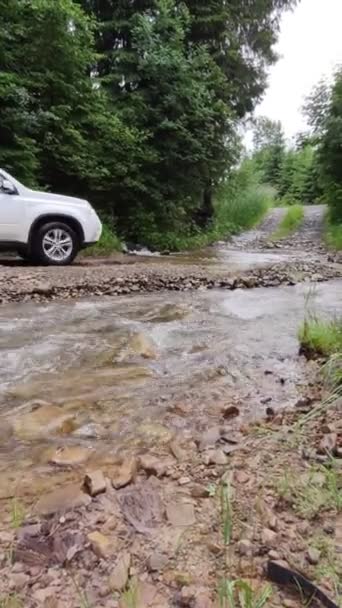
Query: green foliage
x: 321, y: 337
x: 314, y: 492
x: 133, y: 105
x: 334, y: 236
x: 240, y: 594
x: 324, y: 111
x: 291, y: 221
x: 108, y: 243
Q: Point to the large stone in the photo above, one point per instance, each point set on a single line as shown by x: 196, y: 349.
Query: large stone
x: 217, y: 457
x: 181, y: 514
x: 95, y: 483
x: 43, y: 421
x: 155, y: 433
x: 70, y: 456
x: 142, y: 346
x: 152, y: 465
x: 313, y: 556
x: 124, y: 473
x: 269, y: 538
x: 61, y: 500
x: 119, y: 577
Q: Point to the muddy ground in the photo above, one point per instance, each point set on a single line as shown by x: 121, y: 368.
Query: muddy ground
x: 155, y: 444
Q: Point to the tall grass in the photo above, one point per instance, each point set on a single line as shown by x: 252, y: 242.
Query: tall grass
x: 320, y: 337
x: 291, y: 221
x: 333, y: 232
x: 242, y: 207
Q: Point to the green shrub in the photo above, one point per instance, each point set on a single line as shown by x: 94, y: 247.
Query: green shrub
x: 333, y: 233
x: 319, y: 337
x: 108, y: 243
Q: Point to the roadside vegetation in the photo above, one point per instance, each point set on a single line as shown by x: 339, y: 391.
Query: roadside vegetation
x: 333, y: 233
x: 321, y: 337
x: 108, y: 243
x: 291, y: 221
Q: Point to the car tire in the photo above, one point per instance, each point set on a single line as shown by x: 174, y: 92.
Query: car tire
x: 55, y: 244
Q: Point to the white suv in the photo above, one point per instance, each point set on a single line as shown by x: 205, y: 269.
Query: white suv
x: 43, y: 227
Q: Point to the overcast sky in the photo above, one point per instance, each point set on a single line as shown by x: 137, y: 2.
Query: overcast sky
x: 310, y: 45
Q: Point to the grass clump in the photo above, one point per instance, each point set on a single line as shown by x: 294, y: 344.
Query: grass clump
x: 235, y: 593
x: 320, y: 337
x: 108, y: 243
x: 333, y: 233
x: 316, y: 491
x: 291, y: 221
x: 11, y: 601
x: 242, y: 207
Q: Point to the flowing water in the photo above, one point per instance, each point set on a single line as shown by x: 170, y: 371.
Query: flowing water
x: 118, y: 374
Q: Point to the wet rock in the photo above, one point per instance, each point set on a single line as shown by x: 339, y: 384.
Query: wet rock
x: 313, y: 556
x: 42, y: 421
x: 217, y: 457
x: 156, y: 433
x: 95, y: 483
x: 119, y: 577
x: 61, y: 500
x: 90, y: 431
x: 269, y: 538
x: 100, y: 544
x: 124, y: 473
x: 231, y: 411
x: 199, y: 491
x: 157, y: 562
x: 152, y: 465
x: 245, y: 548
x: 181, y: 514
x: 141, y: 345
x: 70, y: 456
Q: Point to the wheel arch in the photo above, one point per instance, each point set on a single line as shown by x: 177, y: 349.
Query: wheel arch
x: 56, y: 217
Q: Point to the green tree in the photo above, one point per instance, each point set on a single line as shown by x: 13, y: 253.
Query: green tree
x: 269, y: 145
x: 330, y: 149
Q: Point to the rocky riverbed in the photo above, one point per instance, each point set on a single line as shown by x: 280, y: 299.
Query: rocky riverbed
x: 133, y: 428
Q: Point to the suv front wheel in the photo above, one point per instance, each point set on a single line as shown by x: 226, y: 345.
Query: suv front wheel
x: 55, y: 243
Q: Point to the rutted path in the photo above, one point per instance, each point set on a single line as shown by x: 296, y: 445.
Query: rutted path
x: 308, y: 235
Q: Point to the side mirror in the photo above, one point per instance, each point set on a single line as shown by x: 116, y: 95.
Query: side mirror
x: 8, y: 187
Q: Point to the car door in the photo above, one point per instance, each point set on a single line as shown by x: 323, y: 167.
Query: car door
x: 12, y: 213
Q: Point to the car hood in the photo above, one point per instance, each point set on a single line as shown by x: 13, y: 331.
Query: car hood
x: 61, y: 198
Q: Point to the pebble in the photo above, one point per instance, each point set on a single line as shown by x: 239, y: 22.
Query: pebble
x: 245, y: 548
x: 313, y: 556
x: 269, y: 537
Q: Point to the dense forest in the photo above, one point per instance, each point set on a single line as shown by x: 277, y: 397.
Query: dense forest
x: 137, y: 105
